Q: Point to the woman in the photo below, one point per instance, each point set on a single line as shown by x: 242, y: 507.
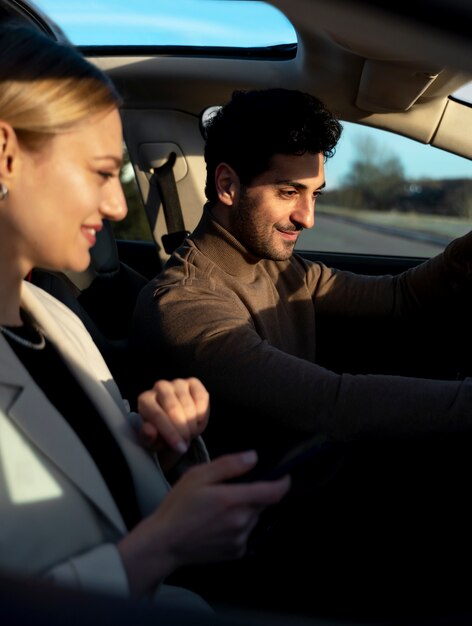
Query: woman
x: 82, y: 502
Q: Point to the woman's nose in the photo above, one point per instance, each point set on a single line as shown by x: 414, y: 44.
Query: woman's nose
x: 114, y: 206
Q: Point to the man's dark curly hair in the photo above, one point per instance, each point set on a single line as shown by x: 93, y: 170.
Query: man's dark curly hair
x: 254, y: 125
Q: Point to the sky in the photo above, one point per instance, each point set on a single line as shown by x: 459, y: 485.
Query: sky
x: 209, y: 22
x: 180, y: 22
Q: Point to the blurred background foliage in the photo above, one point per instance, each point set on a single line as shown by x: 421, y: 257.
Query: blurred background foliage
x: 376, y: 181
x: 135, y: 226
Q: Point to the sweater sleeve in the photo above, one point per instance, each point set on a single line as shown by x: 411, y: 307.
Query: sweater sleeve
x: 428, y: 285
x: 200, y: 326
x: 208, y: 334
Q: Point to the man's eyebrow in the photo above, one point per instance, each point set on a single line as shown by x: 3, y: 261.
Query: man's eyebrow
x: 296, y: 184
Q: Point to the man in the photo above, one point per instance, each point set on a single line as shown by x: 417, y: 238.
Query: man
x: 237, y: 308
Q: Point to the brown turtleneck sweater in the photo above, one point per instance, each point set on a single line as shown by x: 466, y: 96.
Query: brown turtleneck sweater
x: 246, y: 328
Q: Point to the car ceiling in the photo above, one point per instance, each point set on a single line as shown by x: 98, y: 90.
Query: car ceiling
x: 371, y: 64
x: 387, y: 64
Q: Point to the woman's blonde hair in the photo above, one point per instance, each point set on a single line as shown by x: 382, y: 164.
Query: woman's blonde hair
x: 47, y: 87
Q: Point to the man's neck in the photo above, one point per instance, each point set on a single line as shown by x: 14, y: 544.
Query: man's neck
x: 220, y: 213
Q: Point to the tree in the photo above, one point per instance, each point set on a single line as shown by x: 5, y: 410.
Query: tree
x: 376, y: 178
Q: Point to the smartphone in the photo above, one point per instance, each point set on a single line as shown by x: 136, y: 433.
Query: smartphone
x: 315, y: 448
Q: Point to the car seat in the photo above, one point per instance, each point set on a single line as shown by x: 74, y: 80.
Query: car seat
x: 103, y: 296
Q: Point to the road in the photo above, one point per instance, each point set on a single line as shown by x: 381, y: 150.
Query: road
x: 332, y: 234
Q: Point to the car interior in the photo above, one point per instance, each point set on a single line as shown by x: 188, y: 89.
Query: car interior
x: 380, y: 66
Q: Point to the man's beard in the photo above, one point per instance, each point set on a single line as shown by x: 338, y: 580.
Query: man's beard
x: 256, y: 239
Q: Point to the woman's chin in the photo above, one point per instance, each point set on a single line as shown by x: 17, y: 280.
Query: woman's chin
x: 78, y: 265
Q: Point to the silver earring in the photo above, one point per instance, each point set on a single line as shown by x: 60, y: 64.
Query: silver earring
x: 3, y: 191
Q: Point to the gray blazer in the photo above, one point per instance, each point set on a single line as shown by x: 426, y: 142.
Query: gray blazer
x: 58, y: 519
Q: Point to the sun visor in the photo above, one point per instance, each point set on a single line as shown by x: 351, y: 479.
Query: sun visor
x: 390, y: 86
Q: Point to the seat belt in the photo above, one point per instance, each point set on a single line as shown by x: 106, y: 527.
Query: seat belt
x: 163, y: 181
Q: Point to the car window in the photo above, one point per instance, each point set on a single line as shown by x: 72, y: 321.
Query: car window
x: 135, y: 226
x: 464, y: 94
x: 386, y: 194
x: 201, y: 23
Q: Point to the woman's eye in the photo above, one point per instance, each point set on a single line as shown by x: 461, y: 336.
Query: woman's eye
x: 106, y: 175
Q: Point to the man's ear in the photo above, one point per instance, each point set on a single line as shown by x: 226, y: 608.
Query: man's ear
x: 227, y: 184
x: 8, y: 151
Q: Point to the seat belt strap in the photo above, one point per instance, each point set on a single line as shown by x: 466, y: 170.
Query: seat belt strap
x: 163, y: 178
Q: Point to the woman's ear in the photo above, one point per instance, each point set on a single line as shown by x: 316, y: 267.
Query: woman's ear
x: 227, y: 184
x: 8, y: 152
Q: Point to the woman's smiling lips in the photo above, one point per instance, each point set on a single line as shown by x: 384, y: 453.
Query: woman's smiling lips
x: 90, y: 231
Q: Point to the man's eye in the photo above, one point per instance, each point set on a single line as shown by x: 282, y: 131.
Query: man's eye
x: 317, y: 194
x: 289, y: 193
x: 106, y: 175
